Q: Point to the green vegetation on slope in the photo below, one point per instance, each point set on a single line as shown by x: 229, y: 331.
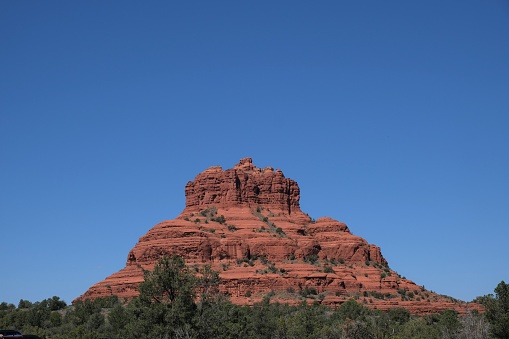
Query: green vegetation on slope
x: 176, y: 303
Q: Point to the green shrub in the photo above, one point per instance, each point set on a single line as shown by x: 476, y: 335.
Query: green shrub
x: 307, y: 291
x: 312, y: 258
x: 272, y: 269
x: 221, y: 219
x: 328, y: 269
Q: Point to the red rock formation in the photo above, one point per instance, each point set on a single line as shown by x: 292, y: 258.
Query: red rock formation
x: 247, y: 223
x: 244, y: 185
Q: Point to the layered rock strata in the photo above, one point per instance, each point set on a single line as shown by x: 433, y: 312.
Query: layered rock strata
x: 247, y: 224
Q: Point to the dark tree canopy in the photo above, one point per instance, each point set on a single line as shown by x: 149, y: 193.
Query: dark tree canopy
x: 177, y: 301
x: 497, y: 311
x: 169, y: 282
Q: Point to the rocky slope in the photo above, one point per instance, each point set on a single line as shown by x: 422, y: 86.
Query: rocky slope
x: 247, y: 224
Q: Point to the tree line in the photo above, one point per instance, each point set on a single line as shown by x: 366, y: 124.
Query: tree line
x: 177, y: 302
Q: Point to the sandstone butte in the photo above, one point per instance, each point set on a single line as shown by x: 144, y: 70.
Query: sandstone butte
x: 247, y: 224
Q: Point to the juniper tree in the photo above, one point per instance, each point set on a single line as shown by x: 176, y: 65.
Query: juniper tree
x: 497, y: 311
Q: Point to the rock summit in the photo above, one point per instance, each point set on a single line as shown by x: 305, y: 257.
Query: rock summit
x: 246, y: 223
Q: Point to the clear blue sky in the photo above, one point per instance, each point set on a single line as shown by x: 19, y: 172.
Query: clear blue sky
x: 392, y: 116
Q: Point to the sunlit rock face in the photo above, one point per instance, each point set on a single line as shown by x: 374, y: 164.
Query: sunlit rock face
x: 246, y: 223
x: 242, y: 186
